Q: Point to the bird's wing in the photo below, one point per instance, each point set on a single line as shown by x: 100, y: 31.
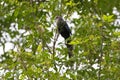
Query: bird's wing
x: 67, y: 27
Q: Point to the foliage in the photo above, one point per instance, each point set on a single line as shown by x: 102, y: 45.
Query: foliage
x: 36, y: 52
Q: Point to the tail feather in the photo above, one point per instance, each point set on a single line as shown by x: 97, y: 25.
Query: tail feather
x: 70, y: 49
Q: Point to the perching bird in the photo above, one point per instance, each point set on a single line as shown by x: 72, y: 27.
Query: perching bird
x: 65, y: 32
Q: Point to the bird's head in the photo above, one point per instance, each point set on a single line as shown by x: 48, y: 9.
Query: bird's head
x: 59, y: 19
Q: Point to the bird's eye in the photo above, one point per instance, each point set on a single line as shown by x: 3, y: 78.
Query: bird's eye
x: 56, y: 17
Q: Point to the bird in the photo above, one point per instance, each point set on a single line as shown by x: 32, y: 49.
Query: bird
x: 65, y: 32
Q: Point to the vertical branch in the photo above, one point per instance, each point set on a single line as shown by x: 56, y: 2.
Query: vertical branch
x: 61, y: 7
x: 31, y: 1
x: 55, y: 40
x: 54, y: 43
x: 99, y: 12
x: 56, y: 33
x: 101, y: 53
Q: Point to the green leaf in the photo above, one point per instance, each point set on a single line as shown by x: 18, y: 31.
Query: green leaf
x: 8, y: 75
x: 108, y: 18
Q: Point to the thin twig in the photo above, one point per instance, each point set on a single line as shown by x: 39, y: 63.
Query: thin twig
x: 21, y: 60
x: 101, y: 53
x: 55, y: 40
x: 99, y: 12
x: 49, y: 49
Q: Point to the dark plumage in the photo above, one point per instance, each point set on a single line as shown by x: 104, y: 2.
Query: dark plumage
x: 63, y: 28
x: 65, y: 32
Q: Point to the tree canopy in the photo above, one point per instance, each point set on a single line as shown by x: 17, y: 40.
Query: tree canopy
x: 30, y: 48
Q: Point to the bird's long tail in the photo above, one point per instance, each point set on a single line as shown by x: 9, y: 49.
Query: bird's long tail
x: 70, y: 48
